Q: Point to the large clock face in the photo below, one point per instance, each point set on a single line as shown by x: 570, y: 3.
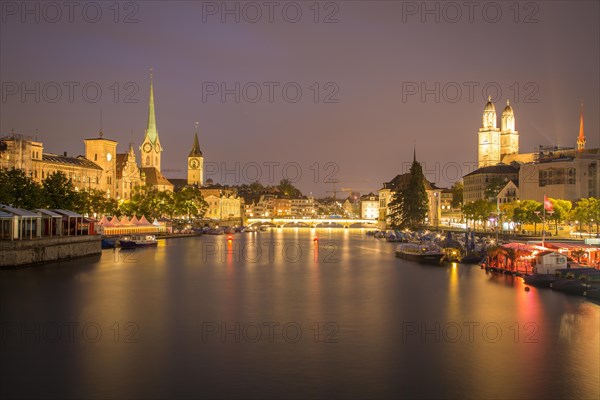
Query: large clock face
x: 194, y: 163
x: 147, y: 147
x: 157, y: 148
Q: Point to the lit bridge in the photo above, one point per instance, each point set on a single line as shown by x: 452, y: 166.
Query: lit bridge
x: 312, y: 222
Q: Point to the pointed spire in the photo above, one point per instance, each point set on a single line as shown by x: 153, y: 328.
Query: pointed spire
x: 196, y: 152
x: 414, y: 152
x: 581, y: 137
x: 151, y: 132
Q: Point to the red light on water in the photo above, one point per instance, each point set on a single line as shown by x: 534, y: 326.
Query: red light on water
x: 316, y: 239
x: 229, y: 237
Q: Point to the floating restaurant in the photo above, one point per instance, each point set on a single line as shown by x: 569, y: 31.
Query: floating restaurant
x: 521, y: 258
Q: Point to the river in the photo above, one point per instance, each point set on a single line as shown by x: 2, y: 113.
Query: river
x: 279, y: 315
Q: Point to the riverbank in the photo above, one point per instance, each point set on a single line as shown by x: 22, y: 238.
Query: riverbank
x: 24, y: 253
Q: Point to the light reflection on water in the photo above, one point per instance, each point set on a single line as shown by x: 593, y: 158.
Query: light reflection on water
x: 397, y: 329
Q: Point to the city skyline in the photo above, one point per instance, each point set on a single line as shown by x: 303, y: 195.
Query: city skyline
x: 368, y: 132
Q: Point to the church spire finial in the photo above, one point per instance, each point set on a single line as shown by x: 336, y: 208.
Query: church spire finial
x: 581, y: 137
x: 101, y: 133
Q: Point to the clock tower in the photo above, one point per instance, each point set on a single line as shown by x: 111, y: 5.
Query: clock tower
x: 103, y: 153
x: 195, y: 174
x: 151, y: 147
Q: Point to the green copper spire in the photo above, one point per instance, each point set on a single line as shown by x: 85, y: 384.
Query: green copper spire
x: 151, y: 132
x: 196, y: 148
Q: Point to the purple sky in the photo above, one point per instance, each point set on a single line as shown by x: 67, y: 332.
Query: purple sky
x: 373, y: 54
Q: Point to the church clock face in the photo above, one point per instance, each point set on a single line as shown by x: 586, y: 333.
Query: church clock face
x: 147, y: 148
x: 194, y: 163
x: 157, y: 148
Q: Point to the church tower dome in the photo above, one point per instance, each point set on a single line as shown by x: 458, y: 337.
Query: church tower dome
x: 508, y: 118
x: 508, y: 109
x: 489, y: 115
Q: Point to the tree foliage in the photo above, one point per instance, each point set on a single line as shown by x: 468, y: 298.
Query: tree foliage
x: 524, y: 213
x: 19, y: 190
x: 586, y: 211
x: 59, y: 192
x: 494, y: 186
x: 457, y: 194
x: 152, y: 203
x: 409, y: 206
x: 479, y: 210
x: 288, y: 189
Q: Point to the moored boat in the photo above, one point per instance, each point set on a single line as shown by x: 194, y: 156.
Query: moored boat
x: 133, y: 241
x: 422, y: 252
x: 540, y: 280
x: 108, y: 243
x: 570, y: 286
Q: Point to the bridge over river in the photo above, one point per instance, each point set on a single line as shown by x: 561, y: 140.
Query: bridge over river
x: 313, y: 222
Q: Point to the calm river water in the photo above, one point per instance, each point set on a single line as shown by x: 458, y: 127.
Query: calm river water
x: 276, y: 315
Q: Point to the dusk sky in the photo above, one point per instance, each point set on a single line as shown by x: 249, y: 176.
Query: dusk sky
x: 368, y: 61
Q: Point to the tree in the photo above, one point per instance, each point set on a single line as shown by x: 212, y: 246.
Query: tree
x: 190, y: 203
x: 288, y: 189
x: 494, y: 186
x: 256, y: 187
x: 59, y: 192
x: 409, y: 206
x: 524, y: 213
x: 479, y: 210
x: 19, y: 190
x: 95, y: 202
x: 587, y: 211
x: 457, y: 194
x: 508, y: 210
x: 562, y: 210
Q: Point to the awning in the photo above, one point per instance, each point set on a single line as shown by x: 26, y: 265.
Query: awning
x: 19, y: 211
x: 571, y: 246
x: 48, y: 213
x: 68, y: 213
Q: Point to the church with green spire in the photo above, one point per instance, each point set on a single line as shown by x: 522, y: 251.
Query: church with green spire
x: 151, y: 150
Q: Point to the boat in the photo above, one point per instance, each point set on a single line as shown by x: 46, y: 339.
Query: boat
x: 452, y: 254
x: 133, y: 241
x: 379, y: 234
x: 422, y: 252
x: 570, y: 286
x: 593, y: 292
x: 108, y: 243
x: 473, y: 258
x: 540, y: 280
